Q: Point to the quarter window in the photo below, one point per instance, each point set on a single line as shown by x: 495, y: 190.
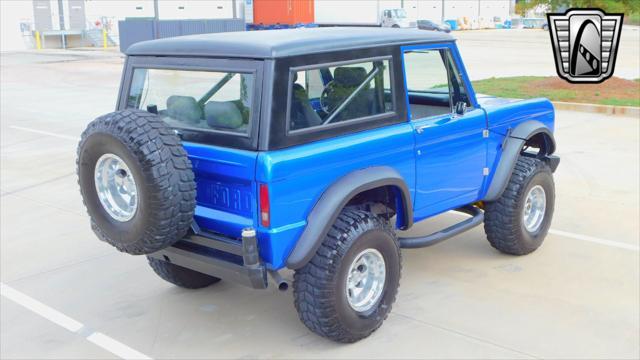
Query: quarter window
x: 199, y: 100
x: 333, y: 94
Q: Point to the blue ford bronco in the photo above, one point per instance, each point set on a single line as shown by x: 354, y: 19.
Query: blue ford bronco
x: 236, y: 155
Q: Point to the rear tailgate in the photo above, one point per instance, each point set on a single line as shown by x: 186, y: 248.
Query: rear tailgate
x: 226, y: 188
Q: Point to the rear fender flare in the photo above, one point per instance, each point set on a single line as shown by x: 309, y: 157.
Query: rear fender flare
x: 511, y: 149
x: 333, y: 200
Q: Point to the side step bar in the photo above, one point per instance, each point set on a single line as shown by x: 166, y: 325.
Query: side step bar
x: 453, y: 230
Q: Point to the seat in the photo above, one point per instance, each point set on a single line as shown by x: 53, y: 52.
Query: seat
x: 184, y: 108
x: 223, y: 114
x: 302, y: 114
x: 345, y: 82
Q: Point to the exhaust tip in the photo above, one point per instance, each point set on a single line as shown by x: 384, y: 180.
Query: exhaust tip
x: 283, y: 286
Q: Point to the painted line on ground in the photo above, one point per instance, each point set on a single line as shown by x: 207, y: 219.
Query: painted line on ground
x: 61, y: 136
x: 616, y: 244
x: 105, y: 342
x: 595, y: 240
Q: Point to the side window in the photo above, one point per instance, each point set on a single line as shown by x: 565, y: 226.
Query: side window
x: 427, y: 79
x: 314, y: 83
x: 458, y: 90
x: 327, y: 95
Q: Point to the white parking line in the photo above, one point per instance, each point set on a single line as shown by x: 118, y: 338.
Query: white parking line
x: 115, y: 346
x: 587, y: 238
x: 617, y: 244
x: 595, y: 240
x: 109, y: 344
x: 61, y: 136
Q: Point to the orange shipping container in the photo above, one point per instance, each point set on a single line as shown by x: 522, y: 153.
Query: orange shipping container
x: 282, y: 11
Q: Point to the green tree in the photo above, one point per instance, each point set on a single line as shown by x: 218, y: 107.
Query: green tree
x: 627, y: 7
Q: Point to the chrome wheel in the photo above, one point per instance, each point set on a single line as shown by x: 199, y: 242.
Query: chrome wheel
x: 365, y: 280
x: 534, y: 208
x: 116, y: 187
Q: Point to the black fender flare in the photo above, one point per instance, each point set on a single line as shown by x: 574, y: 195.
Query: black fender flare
x: 511, y: 147
x: 335, y: 197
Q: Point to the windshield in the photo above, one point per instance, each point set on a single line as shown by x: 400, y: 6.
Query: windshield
x: 198, y: 100
x: 399, y: 13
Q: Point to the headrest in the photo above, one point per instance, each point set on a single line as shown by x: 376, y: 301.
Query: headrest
x: 184, y: 108
x: 223, y: 114
x: 349, y: 76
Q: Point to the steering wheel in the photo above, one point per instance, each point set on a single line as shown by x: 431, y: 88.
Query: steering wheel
x: 324, y: 98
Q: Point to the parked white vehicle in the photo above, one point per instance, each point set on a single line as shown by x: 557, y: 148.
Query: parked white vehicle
x: 369, y: 13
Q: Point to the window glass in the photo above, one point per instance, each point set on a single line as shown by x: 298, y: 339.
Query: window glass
x: 333, y: 94
x: 427, y: 83
x: 458, y: 90
x: 205, y: 100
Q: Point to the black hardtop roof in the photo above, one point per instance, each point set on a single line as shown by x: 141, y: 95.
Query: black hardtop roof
x: 282, y: 43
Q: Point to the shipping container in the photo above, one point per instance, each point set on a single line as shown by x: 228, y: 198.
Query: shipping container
x: 283, y: 11
x: 361, y: 13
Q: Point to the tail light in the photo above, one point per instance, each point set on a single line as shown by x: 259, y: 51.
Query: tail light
x: 265, y: 211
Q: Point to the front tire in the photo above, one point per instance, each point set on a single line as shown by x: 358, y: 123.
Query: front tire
x: 180, y: 276
x: 519, y: 220
x: 347, y: 289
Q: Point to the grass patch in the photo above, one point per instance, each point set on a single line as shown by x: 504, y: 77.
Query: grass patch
x: 614, y: 91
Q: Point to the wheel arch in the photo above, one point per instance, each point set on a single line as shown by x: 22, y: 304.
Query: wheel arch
x: 529, y: 133
x: 337, y: 196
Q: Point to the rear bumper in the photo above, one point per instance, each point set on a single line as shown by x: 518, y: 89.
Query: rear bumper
x: 218, y: 256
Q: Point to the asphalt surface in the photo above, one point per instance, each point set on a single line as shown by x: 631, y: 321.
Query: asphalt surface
x: 67, y: 295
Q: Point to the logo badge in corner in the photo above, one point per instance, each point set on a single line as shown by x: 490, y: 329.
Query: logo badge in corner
x: 585, y: 43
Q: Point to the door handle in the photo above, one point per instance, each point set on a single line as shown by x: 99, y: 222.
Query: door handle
x: 420, y: 129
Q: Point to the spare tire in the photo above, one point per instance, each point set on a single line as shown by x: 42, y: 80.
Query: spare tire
x: 136, y: 181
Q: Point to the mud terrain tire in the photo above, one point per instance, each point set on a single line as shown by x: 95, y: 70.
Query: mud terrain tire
x: 320, y: 294
x: 160, y: 172
x: 504, y: 222
x: 180, y: 276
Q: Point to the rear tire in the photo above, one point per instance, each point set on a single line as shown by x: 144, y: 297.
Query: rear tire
x: 506, y: 224
x: 326, y: 302
x: 180, y: 276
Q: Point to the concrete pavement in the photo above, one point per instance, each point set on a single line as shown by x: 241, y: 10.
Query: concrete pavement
x: 573, y: 298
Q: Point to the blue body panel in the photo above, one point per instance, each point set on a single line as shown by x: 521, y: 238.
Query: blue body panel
x: 505, y: 114
x: 297, y: 176
x: 226, y: 188
x: 442, y: 166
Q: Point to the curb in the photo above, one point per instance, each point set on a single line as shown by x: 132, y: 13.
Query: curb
x: 602, y: 109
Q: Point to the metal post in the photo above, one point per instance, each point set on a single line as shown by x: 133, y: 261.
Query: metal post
x: 38, y: 41
x: 156, y: 19
x: 442, y: 17
x: 235, y: 10
x: 61, y: 14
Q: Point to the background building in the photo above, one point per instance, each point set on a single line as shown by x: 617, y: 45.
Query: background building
x: 83, y: 20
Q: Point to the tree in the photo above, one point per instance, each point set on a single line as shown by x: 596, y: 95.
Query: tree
x: 610, y: 6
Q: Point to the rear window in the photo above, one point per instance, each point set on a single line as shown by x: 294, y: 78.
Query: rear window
x: 195, y: 100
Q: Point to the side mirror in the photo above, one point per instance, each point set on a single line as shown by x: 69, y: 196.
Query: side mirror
x: 460, y: 108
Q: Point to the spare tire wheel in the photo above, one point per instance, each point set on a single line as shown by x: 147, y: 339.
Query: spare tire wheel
x: 136, y: 181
